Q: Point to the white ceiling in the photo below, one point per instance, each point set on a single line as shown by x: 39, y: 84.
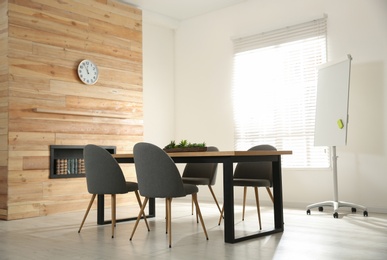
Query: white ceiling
x: 181, y: 9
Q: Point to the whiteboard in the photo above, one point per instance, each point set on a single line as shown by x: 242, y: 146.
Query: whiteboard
x: 332, y: 103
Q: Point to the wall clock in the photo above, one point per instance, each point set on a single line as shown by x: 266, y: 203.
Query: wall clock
x: 88, y: 72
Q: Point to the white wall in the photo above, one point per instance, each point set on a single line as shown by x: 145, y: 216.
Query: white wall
x: 158, y: 81
x: 202, y: 78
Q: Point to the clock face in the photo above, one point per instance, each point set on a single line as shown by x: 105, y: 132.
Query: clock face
x: 88, y: 72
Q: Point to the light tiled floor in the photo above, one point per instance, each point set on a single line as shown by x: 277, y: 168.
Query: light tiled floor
x: 318, y: 236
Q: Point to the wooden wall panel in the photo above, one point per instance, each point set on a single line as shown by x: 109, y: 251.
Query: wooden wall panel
x: 43, y: 103
x: 3, y: 109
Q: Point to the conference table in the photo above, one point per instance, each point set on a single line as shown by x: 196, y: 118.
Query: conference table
x: 228, y: 158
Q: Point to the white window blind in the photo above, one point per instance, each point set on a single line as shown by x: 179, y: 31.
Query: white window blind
x: 274, y: 91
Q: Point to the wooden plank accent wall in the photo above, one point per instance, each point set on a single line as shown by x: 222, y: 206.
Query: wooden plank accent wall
x: 42, y: 101
x: 3, y: 108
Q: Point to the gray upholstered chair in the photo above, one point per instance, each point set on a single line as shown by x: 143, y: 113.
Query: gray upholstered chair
x: 158, y: 177
x: 104, y: 176
x: 254, y: 174
x: 202, y: 174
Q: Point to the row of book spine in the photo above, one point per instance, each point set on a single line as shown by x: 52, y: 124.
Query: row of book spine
x: 70, y: 166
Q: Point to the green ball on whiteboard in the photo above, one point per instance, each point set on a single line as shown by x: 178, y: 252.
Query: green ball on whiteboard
x: 340, y: 123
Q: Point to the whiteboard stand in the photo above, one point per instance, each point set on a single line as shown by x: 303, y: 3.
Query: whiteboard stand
x: 332, y: 120
x: 336, y: 204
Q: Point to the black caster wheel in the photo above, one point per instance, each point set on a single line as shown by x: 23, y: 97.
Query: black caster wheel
x: 365, y: 213
x: 320, y: 209
x: 336, y: 215
x: 308, y: 212
x: 353, y: 210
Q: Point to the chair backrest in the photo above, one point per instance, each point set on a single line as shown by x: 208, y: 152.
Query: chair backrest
x: 202, y: 170
x: 157, y: 174
x: 256, y: 170
x: 103, y: 174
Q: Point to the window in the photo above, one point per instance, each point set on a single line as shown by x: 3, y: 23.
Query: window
x: 274, y: 92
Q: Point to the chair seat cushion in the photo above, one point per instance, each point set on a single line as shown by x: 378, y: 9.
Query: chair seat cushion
x: 132, y: 186
x: 252, y: 182
x: 196, y: 181
x: 190, y: 189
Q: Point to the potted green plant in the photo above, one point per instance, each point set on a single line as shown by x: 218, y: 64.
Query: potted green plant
x: 185, y: 146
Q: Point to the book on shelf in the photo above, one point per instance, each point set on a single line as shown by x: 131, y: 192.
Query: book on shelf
x: 70, y: 166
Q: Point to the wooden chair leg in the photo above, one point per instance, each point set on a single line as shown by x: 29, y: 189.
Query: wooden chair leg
x: 192, y: 205
x: 270, y: 194
x: 140, y: 204
x: 169, y: 221
x: 258, y: 207
x: 87, y: 211
x: 221, y: 215
x: 195, y: 198
x: 257, y: 202
x: 113, y: 213
x: 139, y: 216
x: 166, y: 215
x: 244, y: 202
x: 167, y: 210
x: 216, y: 201
x: 197, y: 215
